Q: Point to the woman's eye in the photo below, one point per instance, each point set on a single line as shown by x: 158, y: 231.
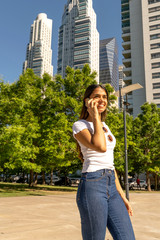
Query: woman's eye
x: 96, y: 97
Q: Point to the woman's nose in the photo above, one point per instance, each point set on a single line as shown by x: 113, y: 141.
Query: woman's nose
x: 100, y: 99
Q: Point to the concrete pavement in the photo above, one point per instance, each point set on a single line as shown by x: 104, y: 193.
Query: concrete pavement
x: 56, y: 217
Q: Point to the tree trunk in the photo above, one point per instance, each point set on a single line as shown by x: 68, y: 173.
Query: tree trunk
x: 51, y: 182
x: 156, y: 182
x: 148, y: 180
x: 31, y: 179
x: 43, y: 177
x: 35, y: 182
x: 23, y: 176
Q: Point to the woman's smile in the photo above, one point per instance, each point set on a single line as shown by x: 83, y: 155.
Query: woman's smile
x: 99, y: 96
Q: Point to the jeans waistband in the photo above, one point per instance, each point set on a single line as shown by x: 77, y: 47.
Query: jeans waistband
x: 103, y: 171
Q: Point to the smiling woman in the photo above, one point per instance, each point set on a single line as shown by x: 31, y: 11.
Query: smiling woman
x: 100, y: 198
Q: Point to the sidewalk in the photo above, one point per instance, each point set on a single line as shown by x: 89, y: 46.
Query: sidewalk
x: 56, y: 217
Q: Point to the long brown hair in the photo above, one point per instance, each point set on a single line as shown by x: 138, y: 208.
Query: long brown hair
x: 84, y: 113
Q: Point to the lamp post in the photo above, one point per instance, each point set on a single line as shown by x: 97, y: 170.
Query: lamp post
x: 120, y: 93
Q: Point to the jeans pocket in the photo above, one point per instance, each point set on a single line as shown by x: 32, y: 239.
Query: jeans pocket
x: 79, y: 190
x: 94, y: 176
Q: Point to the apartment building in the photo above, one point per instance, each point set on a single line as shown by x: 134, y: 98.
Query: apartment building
x: 141, y: 50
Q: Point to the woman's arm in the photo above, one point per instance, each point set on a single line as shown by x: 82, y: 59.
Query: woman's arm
x: 96, y: 141
x: 121, y: 192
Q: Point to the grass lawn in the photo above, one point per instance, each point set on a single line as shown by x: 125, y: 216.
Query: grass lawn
x: 18, y: 189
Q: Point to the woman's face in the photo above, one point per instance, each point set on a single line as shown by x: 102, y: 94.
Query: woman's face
x: 99, y: 95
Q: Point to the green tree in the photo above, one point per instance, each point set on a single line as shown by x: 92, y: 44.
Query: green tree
x: 146, y: 131
x: 34, y: 130
x: 116, y: 124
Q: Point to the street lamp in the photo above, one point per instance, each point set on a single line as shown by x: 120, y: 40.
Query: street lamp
x: 121, y: 93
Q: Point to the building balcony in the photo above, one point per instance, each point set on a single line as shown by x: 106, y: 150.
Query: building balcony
x: 126, y: 45
x: 127, y: 62
x: 126, y: 36
x: 130, y: 101
x: 127, y: 71
x: 126, y: 54
x: 124, y: 2
x: 125, y: 16
x: 127, y: 80
x: 125, y: 8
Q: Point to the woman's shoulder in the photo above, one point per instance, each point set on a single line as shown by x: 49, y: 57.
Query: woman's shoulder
x: 80, y: 125
x: 81, y: 122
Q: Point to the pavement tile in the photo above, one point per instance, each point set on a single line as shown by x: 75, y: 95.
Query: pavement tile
x: 56, y: 217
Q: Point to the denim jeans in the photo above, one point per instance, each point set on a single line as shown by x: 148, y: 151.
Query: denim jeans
x: 101, y: 206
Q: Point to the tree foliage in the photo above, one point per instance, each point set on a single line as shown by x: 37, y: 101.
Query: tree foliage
x: 36, y: 118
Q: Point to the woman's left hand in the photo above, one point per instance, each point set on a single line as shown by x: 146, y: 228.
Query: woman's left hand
x: 128, y: 206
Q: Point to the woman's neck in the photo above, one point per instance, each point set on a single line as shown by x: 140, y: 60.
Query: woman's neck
x: 89, y: 118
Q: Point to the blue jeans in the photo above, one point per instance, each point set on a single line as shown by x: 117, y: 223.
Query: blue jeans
x: 101, y: 206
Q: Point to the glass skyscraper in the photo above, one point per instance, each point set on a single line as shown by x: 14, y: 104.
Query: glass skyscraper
x: 78, y: 37
x: 39, y: 53
x: 109, y: 62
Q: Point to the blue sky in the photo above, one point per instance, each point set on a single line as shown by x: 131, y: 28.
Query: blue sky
x: 16, y: 17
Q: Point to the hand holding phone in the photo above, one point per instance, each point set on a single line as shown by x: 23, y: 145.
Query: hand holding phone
x: 86, y: 102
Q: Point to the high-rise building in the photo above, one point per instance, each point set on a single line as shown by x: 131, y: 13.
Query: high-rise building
x: 108, y: 67
x: 141, y: 43
x: 39, y: 53
x: 78, y: 37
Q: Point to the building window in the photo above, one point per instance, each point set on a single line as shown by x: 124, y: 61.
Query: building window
x: 155, y: 45
x: 156, y: 65
x: 154, y: 18
x: 156, y: 75
x: 153, y: 1
x: 154, y: 27
x: 154, y: 36
x: 81, y: 57
x: 156, y: 95
x: 82, y: 26
x: 158, y: 105
x: 81, y: 39
x: 155, y: 55
x: 154, y: 9
x: 82, y: 30
x: 156, y: 85
x: 81, y: 52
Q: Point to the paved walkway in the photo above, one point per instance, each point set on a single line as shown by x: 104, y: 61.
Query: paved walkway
x: 56, y: 217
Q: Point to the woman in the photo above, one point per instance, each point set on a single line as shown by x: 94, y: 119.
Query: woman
x: 100, y: 198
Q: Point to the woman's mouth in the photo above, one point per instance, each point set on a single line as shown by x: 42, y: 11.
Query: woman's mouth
x: 101, y: 105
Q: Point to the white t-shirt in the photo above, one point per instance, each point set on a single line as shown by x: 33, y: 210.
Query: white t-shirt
x: 94, y: 160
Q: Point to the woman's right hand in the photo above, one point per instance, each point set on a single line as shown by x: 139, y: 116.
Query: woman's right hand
x: 91, y: 105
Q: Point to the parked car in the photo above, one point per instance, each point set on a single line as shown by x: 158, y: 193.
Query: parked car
x: 63, y: 181
x: 74, y: 181
x: 40, y: 180
x: 54, y: 179
x: 2, y: 177
x: 14, y: 178
x: 21, y: 180
x: 131, y: 182
x: 143, y: 184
